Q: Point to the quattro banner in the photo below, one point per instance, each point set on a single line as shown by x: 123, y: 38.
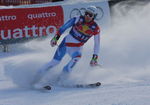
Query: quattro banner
x: 24, y: 23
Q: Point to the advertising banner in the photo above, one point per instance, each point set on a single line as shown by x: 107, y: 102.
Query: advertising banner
x: 24, y: 23
x: 31, y: 21
x: 102, y: 18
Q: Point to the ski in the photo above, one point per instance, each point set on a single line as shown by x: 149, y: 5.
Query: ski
x: 92, y: 85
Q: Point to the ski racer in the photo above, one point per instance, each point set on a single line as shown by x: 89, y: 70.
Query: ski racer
x: 82, y: 29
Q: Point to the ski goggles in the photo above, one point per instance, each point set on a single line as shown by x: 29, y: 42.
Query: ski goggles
x: 89, y: 14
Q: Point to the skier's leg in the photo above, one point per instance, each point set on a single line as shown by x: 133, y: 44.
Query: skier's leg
x: 75, y: 57
x: 44, y: 69
x: 75, y: 54
x: 60, y: 52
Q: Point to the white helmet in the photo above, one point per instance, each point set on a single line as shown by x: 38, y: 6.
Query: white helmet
x: 93, y: 10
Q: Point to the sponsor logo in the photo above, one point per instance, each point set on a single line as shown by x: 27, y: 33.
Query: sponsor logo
x: 7, y: 18
x: 27, y: 23
x: 80, y: 11
x: 41, y: 15
x: 27, y: 32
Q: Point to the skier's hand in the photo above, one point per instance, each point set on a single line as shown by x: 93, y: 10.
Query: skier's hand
x: 54, y: 41
x: 93, y: 61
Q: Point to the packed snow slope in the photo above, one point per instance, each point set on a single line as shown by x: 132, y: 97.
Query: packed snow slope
x: 124, y: 56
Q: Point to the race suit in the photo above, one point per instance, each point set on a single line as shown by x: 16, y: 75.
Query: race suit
x: 72, y: 44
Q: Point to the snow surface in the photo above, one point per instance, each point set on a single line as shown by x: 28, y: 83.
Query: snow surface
x: 125, y: 74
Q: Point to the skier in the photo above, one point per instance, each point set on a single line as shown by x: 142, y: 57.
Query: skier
x: 82, y: 29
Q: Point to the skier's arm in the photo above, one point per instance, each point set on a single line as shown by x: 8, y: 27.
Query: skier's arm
x: 94, y: 59
x: 96, y: 44
x: 61, y: 30
x: 96, y: 47
x: 67, y: 25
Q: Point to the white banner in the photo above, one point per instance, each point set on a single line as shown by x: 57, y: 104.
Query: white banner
x: 103, y: 17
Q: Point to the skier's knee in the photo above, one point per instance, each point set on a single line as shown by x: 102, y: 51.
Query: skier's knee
x: 76, y: 59
x: 71, y: 64
x: 76, y: 55
x: 48, y: 66
x: 52, y: 63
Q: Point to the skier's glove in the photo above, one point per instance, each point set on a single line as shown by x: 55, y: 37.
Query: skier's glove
x: 54, y: 40
x: 94, y: 59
